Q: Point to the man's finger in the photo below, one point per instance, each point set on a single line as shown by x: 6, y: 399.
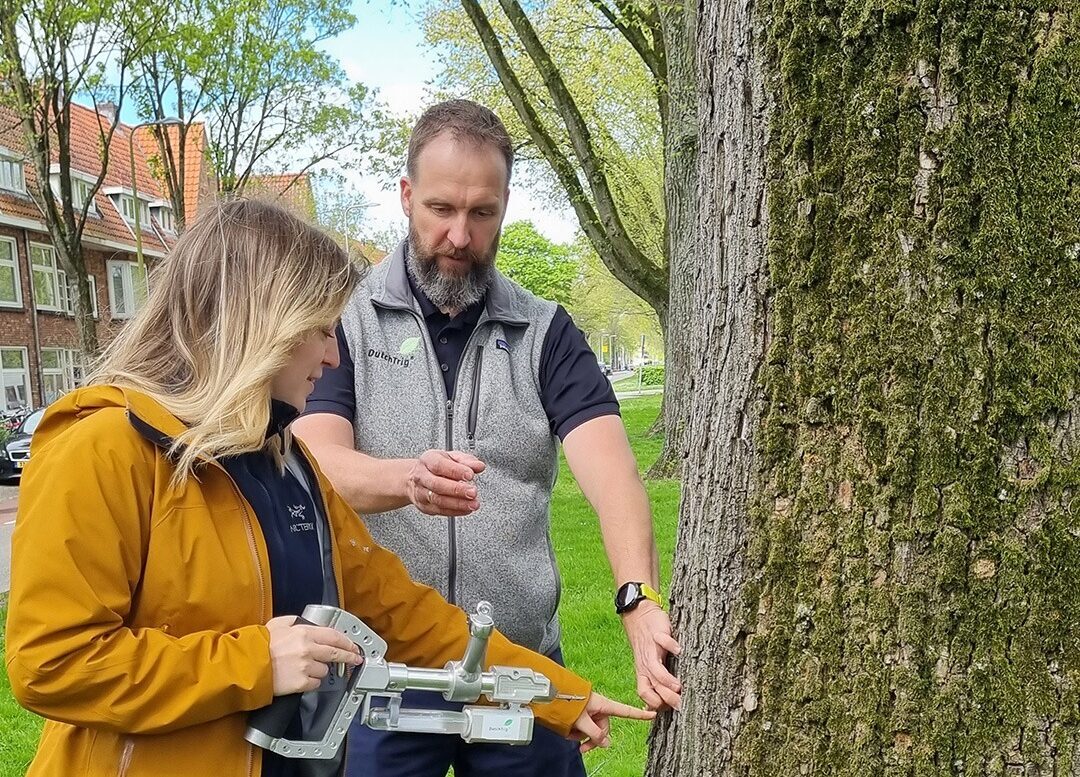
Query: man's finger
x: 647, y: 694
x: 447, y: 467
x: 324, y: 637
x: 440, y: 486
x: 468, y: 460
x: 668, y: 643
x: 661, y: 676
x: 671, y: 698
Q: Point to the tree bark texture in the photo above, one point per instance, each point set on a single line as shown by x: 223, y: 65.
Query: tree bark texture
x: 680, y: 130
x: 725, y: 347
x: 878, y: 565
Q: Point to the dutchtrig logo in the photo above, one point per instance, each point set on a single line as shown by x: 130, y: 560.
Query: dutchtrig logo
x: 409, y: 346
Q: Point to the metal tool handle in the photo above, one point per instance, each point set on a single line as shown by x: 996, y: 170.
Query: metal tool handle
x: 344, y: 700
x: 267, y: 726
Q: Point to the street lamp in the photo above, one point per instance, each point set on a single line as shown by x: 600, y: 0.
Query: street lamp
x: 166, y: 122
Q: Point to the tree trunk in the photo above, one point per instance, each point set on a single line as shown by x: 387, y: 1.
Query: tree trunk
x: 680, y: 127
x: 879, y: 542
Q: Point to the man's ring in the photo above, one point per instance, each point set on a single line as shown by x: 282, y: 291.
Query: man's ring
x: 430, y: 496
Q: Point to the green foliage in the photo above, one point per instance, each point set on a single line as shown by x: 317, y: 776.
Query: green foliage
x: 600, y: 305
x: 545, y: 268
x: 256, y: 73
x: 652, y: 375
x: 608, y: 81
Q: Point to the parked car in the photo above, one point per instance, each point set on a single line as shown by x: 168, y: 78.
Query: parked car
x: 605, y: 368
x: 15, y: 451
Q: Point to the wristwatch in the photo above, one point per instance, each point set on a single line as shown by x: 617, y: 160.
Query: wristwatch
x: 630, y: 594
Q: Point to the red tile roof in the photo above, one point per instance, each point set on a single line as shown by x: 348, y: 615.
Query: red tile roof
x: 86, y: 128
x: 292, y: 190
x: 198, y: 180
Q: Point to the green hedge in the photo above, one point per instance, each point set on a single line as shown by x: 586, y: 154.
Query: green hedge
x: 652, y: 375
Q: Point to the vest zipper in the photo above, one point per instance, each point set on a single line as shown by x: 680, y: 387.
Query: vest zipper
x: 474, y: 402
x: 451, y: 594
x: 451, y: 523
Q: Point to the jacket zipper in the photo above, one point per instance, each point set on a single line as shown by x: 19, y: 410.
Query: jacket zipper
x: 253, y: 547
x: 474, y: 402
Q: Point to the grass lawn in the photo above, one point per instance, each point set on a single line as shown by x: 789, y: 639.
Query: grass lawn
x: 594, y: 644
x: 19, y: 728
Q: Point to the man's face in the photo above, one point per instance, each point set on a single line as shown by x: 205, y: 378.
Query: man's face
x: 455, y: 203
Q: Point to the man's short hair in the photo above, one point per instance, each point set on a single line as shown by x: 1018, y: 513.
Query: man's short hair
x: 467, y: 122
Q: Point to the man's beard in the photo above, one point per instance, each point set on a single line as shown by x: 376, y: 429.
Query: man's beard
x: 450, y: 291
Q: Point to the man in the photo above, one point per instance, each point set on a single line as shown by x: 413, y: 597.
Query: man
x: 441, y: 427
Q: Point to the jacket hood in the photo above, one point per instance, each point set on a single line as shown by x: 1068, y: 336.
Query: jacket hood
x: 145, y: 414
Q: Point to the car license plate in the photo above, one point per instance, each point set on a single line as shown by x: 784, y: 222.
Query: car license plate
x: 19, y: 464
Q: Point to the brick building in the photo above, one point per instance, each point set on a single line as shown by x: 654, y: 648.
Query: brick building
x: 39, y: 342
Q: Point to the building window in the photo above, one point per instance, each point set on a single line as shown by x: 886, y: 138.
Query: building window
x: 10, y: 288
x: 61, y: 372
x: 11, y: 174
x: 16, y: 374
x: 69, y: 291
x: 80, y: 192
x: 127, y: 210
x: 44, y: 275
x: 164, y: 217
x: 127, y: 288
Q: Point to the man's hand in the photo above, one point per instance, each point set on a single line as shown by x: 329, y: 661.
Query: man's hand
x: 593, y: 729
x: 649, y: 631
x: 441, y: 483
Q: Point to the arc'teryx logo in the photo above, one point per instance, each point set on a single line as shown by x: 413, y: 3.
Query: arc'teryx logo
x: 299, y: 511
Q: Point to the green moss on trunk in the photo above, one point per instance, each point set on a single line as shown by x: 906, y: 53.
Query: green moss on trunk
x: 917, y: 516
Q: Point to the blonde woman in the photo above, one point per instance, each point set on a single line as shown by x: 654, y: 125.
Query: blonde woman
x: 170, y: 530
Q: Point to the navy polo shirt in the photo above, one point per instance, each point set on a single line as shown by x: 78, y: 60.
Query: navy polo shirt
x: 573, y: 390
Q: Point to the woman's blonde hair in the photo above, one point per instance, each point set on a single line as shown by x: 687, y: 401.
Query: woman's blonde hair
x: 242, y: 288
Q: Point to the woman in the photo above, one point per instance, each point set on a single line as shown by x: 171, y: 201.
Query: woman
x: 169, y: 530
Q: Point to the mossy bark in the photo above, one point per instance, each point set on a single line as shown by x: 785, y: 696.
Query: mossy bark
x: 896, y: 590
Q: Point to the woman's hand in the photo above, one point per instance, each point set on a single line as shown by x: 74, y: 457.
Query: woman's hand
x: 300, y: 654
x: 593, y: 728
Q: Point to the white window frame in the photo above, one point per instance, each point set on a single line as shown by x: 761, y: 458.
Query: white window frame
x: 16, y: 161
x: 123, y: 199
x: 67, y: 362
x: 55, y: 278
x: 130, y: 303
x: 157, y: 211
x: 24, y: 373
x: 78, y: 179
x: 67, y: 296
x: 15, y: 265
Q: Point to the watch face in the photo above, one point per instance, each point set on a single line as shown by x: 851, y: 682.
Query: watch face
x: 627, y: 595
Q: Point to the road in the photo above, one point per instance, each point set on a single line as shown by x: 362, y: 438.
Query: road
x: 9, y: 499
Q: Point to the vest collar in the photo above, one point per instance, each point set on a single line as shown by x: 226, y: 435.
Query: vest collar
x: 392, y: 291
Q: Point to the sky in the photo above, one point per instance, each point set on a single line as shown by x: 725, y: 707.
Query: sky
x: 386, y: 50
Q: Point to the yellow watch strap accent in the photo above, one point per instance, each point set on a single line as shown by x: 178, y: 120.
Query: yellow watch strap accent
x: 652, y: 595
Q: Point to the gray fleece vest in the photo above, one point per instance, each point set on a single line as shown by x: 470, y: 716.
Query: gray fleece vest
x: 502, y: 552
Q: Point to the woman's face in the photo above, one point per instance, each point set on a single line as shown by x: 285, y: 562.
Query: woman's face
x: 295, y: 382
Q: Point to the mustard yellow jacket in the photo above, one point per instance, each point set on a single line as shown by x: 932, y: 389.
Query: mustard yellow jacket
x: 136, y: 611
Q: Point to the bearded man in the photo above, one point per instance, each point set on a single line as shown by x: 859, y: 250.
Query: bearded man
x: 442, y: 425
